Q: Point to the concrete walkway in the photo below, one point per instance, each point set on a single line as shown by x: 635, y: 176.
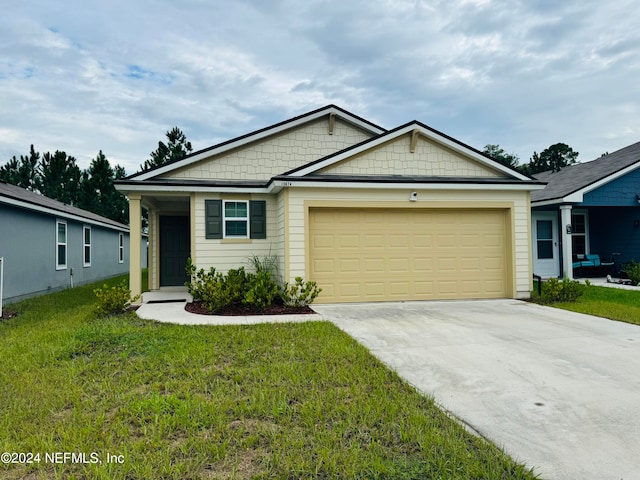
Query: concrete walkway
x: 167, y: 306
x: 560, y: 391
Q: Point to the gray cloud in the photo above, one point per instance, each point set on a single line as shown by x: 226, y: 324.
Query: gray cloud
x: 116, y: 75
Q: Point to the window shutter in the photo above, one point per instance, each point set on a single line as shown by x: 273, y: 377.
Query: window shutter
x: 213, y: 218
x: 258, y: 218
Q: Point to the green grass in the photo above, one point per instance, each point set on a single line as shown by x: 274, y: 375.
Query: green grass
x: 186, y: 402
x: 613, y: 303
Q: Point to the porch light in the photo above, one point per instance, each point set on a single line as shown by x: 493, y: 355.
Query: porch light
x: 638, y: 198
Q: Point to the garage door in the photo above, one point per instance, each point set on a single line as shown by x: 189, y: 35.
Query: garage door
x: 395, y: 254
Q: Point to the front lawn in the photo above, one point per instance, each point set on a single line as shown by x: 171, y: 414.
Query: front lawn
x: 612, y: 303
x: 137, y: 400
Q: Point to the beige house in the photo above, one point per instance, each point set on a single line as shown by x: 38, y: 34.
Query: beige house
x: 370, y: 214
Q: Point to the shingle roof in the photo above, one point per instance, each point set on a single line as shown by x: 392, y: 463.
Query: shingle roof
x: 20, y: 194
x: 580, y: 175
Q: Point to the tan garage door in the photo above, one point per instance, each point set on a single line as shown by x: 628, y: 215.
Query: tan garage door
x: 395, y: 254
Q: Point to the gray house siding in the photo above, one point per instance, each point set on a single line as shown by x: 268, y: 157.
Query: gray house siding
x: 28, y: 245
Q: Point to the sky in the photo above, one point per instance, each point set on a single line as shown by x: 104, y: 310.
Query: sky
x: 88, y: 75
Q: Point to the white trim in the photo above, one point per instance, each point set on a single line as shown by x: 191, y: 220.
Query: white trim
x: 409, y: 129
x: 120, y: 247
x: 259, y: 136
x: 86, y: 228
x: 170, y: 189
x: 58, y: 213
x: 224, y: 219
x: 421, y: 185
x: 60, y: 266
x: 587, y: 242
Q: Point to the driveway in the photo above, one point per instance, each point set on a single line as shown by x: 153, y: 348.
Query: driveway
x: 559, y: 391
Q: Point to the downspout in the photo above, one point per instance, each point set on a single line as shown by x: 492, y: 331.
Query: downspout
x: 71, y: 275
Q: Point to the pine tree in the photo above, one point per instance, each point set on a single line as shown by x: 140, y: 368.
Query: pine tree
x: 177, y: 148
x: 24, y: 172
x: 60, y: 177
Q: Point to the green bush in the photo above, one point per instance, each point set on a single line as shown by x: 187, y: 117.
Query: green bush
x: 262, y: 290
x: 554, y: 290
x: 633, y: 271
x: 114, y: 300
x: 300, y: 293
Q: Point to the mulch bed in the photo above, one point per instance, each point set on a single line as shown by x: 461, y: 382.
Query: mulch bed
x: 7, y: 314
x: 235, y: 310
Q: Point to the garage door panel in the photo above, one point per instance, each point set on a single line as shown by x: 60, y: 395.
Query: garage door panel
x: 388, y: 254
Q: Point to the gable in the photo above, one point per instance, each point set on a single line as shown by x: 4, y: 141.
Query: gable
x: 395, y: 158
x: 273, y: 155
x: 619, y: 192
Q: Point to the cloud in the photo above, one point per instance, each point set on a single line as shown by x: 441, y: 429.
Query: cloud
x: 117, y: 75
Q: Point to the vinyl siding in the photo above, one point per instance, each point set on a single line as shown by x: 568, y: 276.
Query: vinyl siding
x: 226, y: 254
x: 275, y: 155
x: 29, y: 251
x: 394, y: 158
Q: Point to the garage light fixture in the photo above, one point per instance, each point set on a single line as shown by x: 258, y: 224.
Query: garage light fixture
x: 413, y: 197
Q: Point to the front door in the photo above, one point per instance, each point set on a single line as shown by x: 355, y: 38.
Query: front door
x: 546, y: 262
x: 174, y: 250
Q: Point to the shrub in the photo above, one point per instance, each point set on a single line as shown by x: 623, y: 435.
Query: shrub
x: 262, y: 290
x: 554, y: 290
x: 633, y: 271
x: 299, y: 294
x: 268, y: 263
x: 114, y: 300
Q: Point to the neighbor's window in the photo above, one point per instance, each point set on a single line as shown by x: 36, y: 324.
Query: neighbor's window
x: 120, y: 248
x: 579, y: 233
x: 236, y: 219
x: 545, y: 239
x: 86, y: 244
x: 61, y: 245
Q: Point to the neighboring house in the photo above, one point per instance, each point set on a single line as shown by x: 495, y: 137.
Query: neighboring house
x: 47, y: 245
x: 587, y: 208
x: 369, y: 214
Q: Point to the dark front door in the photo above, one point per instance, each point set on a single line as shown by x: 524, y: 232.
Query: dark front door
x: 174, y: 250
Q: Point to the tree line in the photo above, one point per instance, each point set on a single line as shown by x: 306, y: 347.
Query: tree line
x: 57, y: 176
x: 553, y: 158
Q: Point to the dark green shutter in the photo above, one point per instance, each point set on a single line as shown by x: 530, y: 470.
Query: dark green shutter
x: 258, y: 218
x: 213, y: 218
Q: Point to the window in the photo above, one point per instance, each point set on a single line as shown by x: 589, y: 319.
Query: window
x: 579, y: 233
x: 120, y: 248
x: 544, y: 239
x: 236, y: 219
x: 61, y: 245
x: 86, y: 244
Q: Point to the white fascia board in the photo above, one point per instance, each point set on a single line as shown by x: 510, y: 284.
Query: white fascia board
x: 414, y: 186
x: 404, y: 131
x: 259, y: 136
x: 162, y: 189
x: 544, y: 203
x: 59, y: 214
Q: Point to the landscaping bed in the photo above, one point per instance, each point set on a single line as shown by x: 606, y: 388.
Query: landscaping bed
x: 243, y: 310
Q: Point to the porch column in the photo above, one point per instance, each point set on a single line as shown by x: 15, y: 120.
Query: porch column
x: 567, y: 249
x: 135, y: 238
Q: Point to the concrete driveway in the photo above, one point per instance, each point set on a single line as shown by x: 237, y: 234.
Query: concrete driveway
x: 557, y: 390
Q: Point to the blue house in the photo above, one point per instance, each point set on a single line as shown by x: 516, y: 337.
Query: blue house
x: 47, y: 245
x: 587, y: 209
